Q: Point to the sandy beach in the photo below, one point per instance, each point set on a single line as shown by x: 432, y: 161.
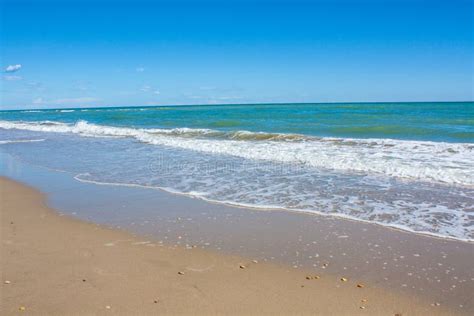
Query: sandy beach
x: 57, y: 265
x: 266, y: 157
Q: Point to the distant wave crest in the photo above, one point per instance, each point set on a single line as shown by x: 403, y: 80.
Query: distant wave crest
x: 13, y: 141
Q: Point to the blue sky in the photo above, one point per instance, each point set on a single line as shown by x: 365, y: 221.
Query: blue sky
x: 117, y: 53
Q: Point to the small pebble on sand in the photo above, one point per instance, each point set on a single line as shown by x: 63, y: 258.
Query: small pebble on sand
x: 242, y: 266
x: 7, y: 282
x: 364, y: 300
x: 181, y: 273
x: 344, y: 279
x: 360, y: 285
x: 254, y: 261
x: 22, y: 308
x: 362, y: 307
x: 108, y: 307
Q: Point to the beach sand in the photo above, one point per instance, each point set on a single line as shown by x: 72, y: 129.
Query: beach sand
x: 57, y: 265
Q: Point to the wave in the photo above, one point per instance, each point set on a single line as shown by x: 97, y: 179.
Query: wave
x: 85, y: 128
x: 233, y: 135
x: 449, y: 163
x: 13, y: 141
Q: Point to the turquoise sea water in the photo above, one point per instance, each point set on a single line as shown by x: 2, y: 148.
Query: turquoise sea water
x: 451, y: 122
x: 405, y: 165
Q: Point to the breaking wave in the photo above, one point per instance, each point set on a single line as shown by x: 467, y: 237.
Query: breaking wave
x: 13, y: 141
x: 449, y: 163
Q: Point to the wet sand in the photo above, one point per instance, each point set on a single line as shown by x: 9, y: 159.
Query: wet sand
x: 53, y: 264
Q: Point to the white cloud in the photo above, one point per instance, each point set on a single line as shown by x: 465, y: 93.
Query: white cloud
x: 65, y: 101
x: 81, y: 86
x: 150, y: 89
x: 139, y: 69
x: 75, y: 100
x: 13, y: 68
x: 228, y: 98
x: 33, y: 85
x: 145, y: 88
x: 38, y: 101
x: 12, y: 78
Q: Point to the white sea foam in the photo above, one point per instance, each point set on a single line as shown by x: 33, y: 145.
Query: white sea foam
x: 422, y: 218
x: 12, y: 141
x: 450, y: 163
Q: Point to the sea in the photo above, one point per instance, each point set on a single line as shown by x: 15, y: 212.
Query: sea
x: 408, y: 166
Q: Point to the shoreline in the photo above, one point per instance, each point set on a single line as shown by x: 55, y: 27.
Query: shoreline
x: 58, y: 264
x: 281, y: 209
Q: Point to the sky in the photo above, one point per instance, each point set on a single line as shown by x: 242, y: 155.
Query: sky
x: 125, y: 53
